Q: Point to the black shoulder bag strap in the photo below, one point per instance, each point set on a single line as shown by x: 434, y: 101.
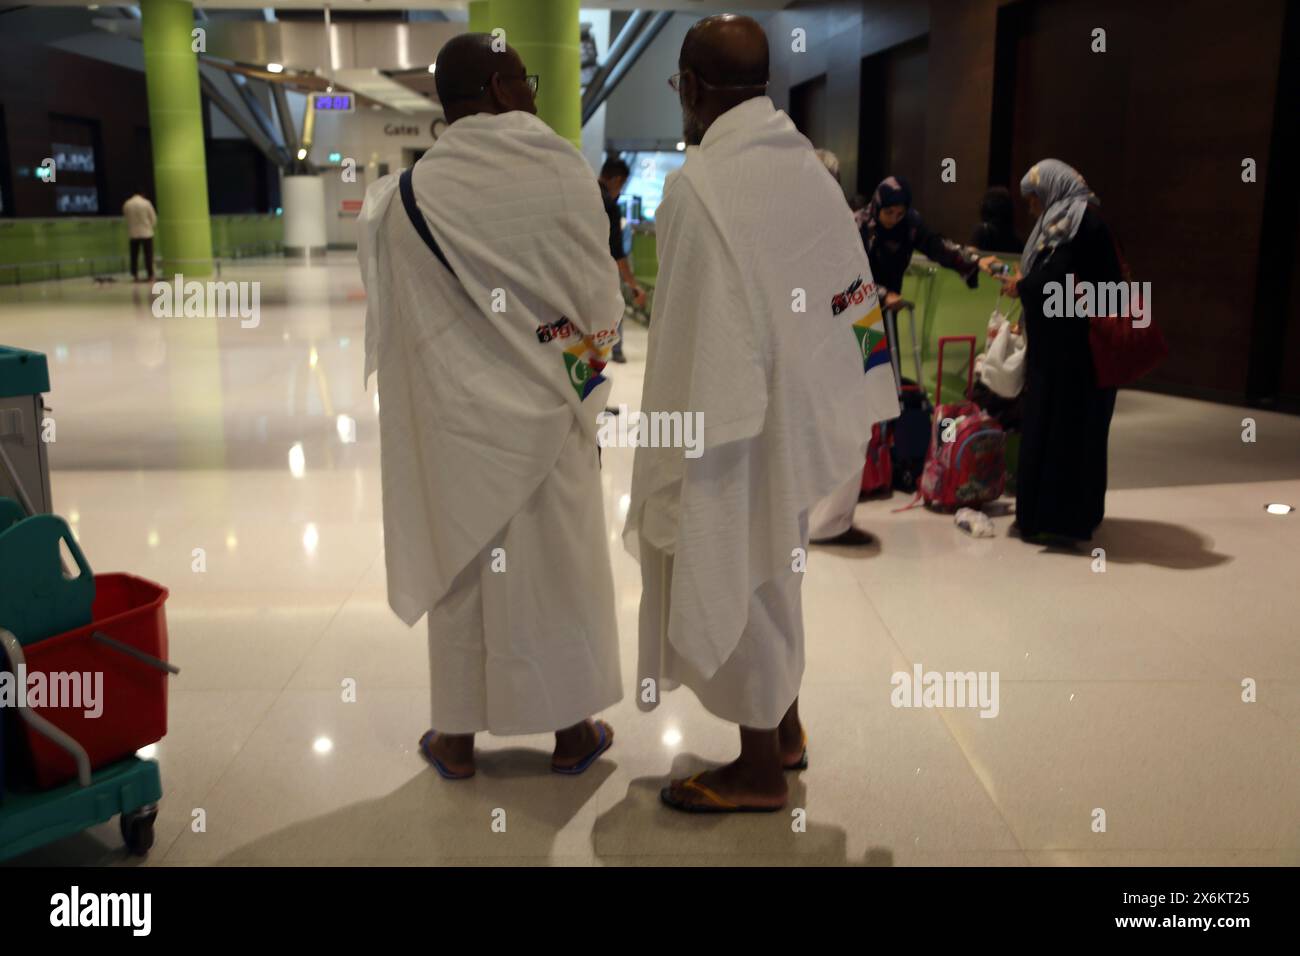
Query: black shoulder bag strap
x: 417, y: 218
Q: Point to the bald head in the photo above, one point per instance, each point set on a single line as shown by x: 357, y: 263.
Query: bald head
x: 476, y: 73
x: 723, y: 63
x: 726, y: 50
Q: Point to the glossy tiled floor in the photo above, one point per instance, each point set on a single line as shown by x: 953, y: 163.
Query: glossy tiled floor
x: 1120, y: 691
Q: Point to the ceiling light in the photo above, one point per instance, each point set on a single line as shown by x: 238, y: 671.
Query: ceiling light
x: 1278, y: 509
x: 275, y: 67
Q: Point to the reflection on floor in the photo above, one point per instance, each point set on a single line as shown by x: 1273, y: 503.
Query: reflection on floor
x: 1119, y: 691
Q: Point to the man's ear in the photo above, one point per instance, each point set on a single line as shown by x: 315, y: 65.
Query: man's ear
x: 498, y: 94
x: 690, y: 90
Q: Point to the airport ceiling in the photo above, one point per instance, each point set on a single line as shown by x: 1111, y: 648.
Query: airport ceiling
x: 686, y: 6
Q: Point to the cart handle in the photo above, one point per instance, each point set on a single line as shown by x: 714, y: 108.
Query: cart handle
x: 14, y: 651
x: 142, y: 656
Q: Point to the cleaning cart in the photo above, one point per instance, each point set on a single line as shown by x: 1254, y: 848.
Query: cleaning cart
x: 66, y: 768
x: 24, y: 380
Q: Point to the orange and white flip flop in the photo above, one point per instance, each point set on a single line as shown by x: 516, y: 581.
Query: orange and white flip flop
x: 714, y: 803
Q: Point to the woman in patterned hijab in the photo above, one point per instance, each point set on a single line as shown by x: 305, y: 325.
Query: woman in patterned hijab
x: 893, y: 230
x: 1063, y: 196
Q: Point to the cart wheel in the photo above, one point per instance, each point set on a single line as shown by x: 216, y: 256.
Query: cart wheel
x: 137, y: 829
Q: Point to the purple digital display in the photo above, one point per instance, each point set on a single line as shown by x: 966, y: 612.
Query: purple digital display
x: 334, y: 102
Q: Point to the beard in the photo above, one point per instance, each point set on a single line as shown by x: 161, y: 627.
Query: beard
x: 692, y: 129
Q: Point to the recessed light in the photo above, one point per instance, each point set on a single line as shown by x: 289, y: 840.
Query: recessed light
x: 1278, y: 509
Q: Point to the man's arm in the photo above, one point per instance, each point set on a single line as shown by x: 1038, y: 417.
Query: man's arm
x: 625, y: 273
x: 617, y: 250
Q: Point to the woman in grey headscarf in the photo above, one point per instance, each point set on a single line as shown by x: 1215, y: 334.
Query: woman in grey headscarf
x: 1061, y: 481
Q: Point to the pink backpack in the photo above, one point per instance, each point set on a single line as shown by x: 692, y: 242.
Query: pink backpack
x: 970, y: 469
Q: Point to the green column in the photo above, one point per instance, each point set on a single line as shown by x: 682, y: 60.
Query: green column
x: 545, y: 32
x: 480, y: 16
x: 180, y: 172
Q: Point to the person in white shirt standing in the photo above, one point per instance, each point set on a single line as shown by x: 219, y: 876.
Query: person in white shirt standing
x: 140, y: 218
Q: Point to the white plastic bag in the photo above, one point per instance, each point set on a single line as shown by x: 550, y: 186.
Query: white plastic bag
x: 974, y: 523
x: 1002, y: 366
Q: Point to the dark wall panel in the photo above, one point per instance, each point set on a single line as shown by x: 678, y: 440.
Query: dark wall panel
x: 959, y: 107
x: 1159, y: 124
x: 892, y: 120
x: 239, y: 179
x: 839, y: 33
x: 43, y: 90
x: 808, y: 109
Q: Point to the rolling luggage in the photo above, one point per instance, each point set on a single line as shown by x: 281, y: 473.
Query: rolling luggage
x: 966, y: 466
x: 965, y: 458
x: 909, y: 434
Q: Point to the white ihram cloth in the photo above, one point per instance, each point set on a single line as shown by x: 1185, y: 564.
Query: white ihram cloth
x: 833, y: 515
x: 486, y: 440
x: 749, y: 229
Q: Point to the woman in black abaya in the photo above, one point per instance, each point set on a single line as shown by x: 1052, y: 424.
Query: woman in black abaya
x: 1061, y: 482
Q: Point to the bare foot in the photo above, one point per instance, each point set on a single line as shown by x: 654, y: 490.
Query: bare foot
x: 575, y: 744
x: 455, y: 752
x: 791, y: 740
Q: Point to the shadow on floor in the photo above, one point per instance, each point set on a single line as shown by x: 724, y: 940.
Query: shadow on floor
x: 430, y: 820
x: 870, y: 549
x: 1158, y: 543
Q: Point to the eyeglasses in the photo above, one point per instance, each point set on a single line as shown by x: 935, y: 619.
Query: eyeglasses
x: 675, y: 83
x: 532, y: 79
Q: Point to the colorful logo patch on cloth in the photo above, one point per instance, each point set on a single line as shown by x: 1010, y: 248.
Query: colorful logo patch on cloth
x: 857, y: 293
x: 870, y: 331
x: 561, y: 328
x: 861, y: 299
x: 584, y: 375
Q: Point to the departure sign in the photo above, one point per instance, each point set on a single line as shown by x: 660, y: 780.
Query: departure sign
x: 334, y: 102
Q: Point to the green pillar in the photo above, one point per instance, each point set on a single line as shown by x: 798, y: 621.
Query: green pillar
x: 180, y: 171
x: 545, y: 32
x: 480, y: 16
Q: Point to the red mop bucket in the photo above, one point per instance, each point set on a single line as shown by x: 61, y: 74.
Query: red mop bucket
x: 126, y: 643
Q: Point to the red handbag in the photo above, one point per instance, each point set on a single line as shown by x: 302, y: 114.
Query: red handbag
x: 1122, y: 352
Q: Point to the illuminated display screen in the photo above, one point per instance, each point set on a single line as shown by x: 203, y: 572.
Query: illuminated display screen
x: 76, y: 200
x: 334, y: 102
x: 76, y: 159
x: 645, y: 187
